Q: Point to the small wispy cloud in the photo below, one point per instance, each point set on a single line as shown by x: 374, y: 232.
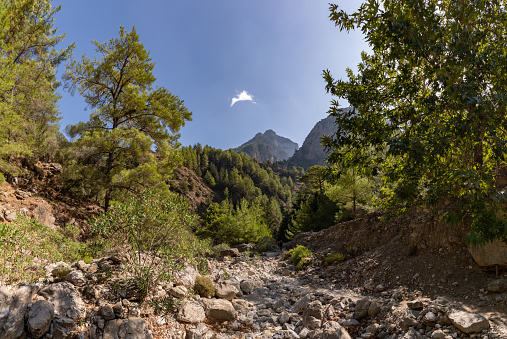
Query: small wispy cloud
x: 243, y: 96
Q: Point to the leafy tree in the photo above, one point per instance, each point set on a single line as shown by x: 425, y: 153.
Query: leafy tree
x: 351, y: 188
x: 130, y: 118
x: 28, y: 61
x: 432, y: 95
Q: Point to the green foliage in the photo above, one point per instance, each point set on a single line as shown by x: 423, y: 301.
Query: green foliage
x: 351, y: 189
x: 266, y: 244
x: 60, y: 272
x: 244, y: 224
x: 204, y: 287
x: 429, y: 102
x: 114, y: 149
x: 165, y: 306
x: 299, y: 256
x: 333, y: 257
x: 26, y: 246
x: 28, y: 65
x: 2, y: 179
x: 154, y: 228
x: 240, y: 177
x: 215, y: 250
x: 310, y: 212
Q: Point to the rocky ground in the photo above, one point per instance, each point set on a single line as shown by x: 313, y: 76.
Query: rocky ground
x: 257, y: 297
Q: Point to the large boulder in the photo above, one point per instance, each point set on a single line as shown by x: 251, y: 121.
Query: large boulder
x: 187, y: 277
x: 468, y: 322
x: 333, y: 330
x: 13, y: 307
x: 362, y: 307
x: 491, y: 254
x: 301, y: 303
x: 219, y: 309
x: 133, y: 328
x: 44, y: 215
x: 39, y: 318
x: 192, y: 313
x: 66, y: 300
x: 226, y: 290
x: 63, y: 328
x: 498, y: 286
x: 313, y: 314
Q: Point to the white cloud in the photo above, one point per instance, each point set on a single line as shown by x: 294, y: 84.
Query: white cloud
x: 243, y: 96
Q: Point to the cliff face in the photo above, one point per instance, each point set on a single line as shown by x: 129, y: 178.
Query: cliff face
x: 268, y: 146
x: 312, y: 152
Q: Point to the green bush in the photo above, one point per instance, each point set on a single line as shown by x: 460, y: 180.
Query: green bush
x: 215, y: 251
x: 204, y: 287
x: 299, y: 256
x: 333, y: 257
x: 2, y: 179
x: 154, y: 229
x: 266, y: 244
x: 26, y: 246
x: 244, y: 224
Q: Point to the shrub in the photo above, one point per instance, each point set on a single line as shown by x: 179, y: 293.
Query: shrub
x: 215, y: 251
x: 204, y: 287
x: 154, y: 229
x: 60, y: 272
x: 333, y: 257
x: 25, y: 241
x: 266, y: 244
x: 300, y: 256
x: 2, y: 179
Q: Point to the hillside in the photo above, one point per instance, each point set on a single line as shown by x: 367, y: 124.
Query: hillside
x: 268, y: 146
x: 312, y: 152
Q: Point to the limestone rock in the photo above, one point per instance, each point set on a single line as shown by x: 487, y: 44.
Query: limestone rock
x: 44, y: 215
x: 285, y: 334
x: 132, y: 328
x: 374, y: 309
x: 362, y: 307
x: 469, y: 322
x: 333, y: 330
x: 187, y: 277
x: 415, y: 304
x: 498, y: 286
x: 12, y: 310
x: 178, y: 291
x: 226, y: 290
x: 63, y: 328
x: 76, y: 278
x: 107, y: 312
x: 301, y: 303
x: 247, y: 286
x: 39, y: 318
x: 313, y: 314
x: 412, y: 334
x: 66, y: 300
x: 11, y: 216
x: 219, y: 309
x: 192, y: 313
x: 492, y: 253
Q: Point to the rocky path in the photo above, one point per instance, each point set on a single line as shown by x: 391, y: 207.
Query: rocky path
x: 262, y: 297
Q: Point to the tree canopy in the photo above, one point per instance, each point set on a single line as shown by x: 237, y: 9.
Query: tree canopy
x: 431, y: 100
x: 129, y: 139
x: 28, y: 62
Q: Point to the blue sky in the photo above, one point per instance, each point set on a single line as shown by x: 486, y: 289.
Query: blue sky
x: 207, y: 52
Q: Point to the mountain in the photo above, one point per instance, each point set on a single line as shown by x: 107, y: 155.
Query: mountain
x: 312, y: 152
x: 268, y: 146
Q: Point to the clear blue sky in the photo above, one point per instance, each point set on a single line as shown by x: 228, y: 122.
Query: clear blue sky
x: 208, y: 52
